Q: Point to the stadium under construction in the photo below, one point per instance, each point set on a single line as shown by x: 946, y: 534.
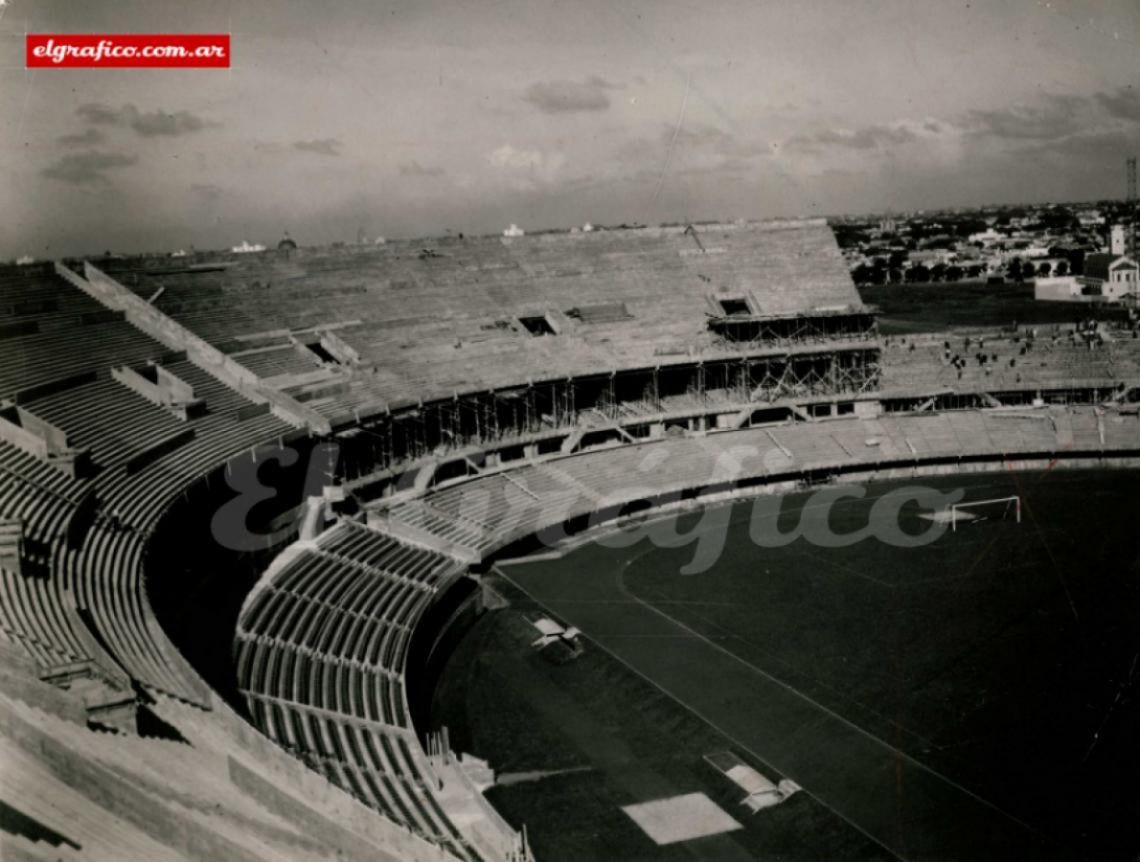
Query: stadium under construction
x: 319, y: 553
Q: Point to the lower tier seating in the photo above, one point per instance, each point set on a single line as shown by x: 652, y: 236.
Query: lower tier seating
x: 322, y: 645
x: 559, y: 489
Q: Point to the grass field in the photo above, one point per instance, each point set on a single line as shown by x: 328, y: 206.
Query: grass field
x: 913, y: 308
x: 970, y: 699
x: 573, y: 743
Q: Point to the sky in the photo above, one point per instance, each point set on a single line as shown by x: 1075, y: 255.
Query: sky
x: 417, y: 118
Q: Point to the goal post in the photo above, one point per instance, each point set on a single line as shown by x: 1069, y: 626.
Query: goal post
x: 1003, y: 506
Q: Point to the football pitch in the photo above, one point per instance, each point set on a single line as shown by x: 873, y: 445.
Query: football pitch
x: 969, y: 698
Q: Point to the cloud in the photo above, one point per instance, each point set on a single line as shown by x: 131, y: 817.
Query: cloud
x: 527, y: 169
x: 415, y: 169
x: 1054, y: 117
x: 208, y: 192
x: 99, y: 114
x: 1124, y: 104
x: 696, y: 149
x: 88, y: 167
x: 1097, y: 146
x: 868, y: 137
x: 703, y: 149
x: 320, y: 146
x: 145, y: 123
x: 512, y: 158
x: 864, y: 138
x: 162, y: 123
x: 87, y: 138
x: 267, y: 147
x: 565, y: 97
x: 697, y: 137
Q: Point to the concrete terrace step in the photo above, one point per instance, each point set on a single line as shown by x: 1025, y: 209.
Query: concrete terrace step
x: 190, y: 782
x: 30, y: 788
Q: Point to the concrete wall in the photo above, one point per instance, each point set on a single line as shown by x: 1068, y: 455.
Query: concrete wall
x: 34, y: 435
x: 1061, y: 289
x: 401, y: 846
x: 167, y: 390
x: 119, y: 796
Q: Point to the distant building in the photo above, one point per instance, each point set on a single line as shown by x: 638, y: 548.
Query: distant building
x: 928, y: 257
x: 1115, y: 273
x: 1107, y: 278
x: 1118, y: 240
x: 987, y: 237
x: 1090, y: 218
x: 287, y: 243
x: 246, y: 247
x: 514, y: 230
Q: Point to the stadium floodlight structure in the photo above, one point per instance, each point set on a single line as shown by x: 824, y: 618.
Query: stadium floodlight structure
x: 1006, y: 505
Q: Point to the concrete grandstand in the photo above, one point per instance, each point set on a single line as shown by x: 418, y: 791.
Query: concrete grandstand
x: 396, y: 418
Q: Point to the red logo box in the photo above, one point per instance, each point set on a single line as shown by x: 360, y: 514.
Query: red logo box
x: 128, y: 50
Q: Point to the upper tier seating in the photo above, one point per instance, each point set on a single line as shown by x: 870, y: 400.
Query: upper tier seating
x: 276, y: 361
x: 55, y: 331
x: 1013, y: 362
x: 61, y: 373
x: 431, y: 321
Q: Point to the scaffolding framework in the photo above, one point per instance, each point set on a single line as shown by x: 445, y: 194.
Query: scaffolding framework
x: 749, y: 329
x: 494, y: 416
